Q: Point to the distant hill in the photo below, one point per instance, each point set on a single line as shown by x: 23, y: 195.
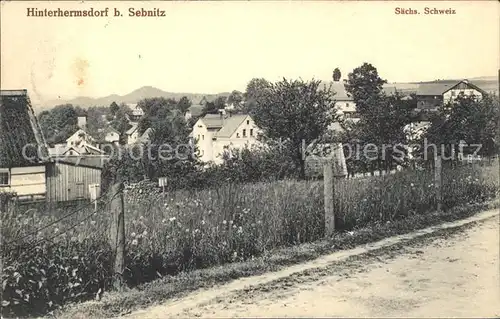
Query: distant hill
x: 132, y: 97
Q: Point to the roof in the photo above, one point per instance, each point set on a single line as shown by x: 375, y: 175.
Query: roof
x: 57, y: 151
x: 89, y: 149
x: 96, y: 162
x: 339, y: 89
x: 80, y: 131
x: 226, y: 125
x: 110, y: 129
x: 132, y: 129
x: 19, y: 128
x: 437, y: 88
x: 441, y: 87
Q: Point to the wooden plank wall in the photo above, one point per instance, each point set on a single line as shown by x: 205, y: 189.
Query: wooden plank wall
x: 66, y: 182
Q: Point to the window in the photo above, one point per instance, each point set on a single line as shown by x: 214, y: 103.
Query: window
x: 4, y: 178
x: 203, y: 137
x: 347, y: 105
x: 244, y: 133
x: 453, y: 93
x: 238, y: 135
x: 248, y: 122
x: 251, y: 132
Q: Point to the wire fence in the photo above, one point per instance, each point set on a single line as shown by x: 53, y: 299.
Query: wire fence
x: 20, y: 242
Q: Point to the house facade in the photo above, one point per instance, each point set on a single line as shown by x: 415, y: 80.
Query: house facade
x: 215, y: 134
x: 431, y: 96
x: 112, y: 136
x: 132, y: 134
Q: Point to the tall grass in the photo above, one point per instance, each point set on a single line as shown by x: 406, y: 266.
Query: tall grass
x: 185, y: 230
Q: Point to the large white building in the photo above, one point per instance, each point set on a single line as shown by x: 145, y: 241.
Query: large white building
x: 215, y: 134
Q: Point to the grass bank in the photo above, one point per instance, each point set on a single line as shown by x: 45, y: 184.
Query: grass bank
x: 116, y: 304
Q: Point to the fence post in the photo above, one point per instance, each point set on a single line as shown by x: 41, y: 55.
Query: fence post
x: 328, y: 185
x: 118, y: 234
x: 438, y: 180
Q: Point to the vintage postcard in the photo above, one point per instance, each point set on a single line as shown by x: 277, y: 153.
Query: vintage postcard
x: 178, y: 159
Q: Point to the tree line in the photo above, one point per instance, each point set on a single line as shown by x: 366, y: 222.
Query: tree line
x: 291, y: 114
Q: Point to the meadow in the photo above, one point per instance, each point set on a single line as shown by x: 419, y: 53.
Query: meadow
x: 186, y: 230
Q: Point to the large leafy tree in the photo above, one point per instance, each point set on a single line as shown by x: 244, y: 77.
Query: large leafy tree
x: 59, y: 123
x: 120, y: 121
x: 183, y: 104
x: 113, y: 108
x: 235, y: 98
x: 365, y: 86
x: 470, y: 120
x: 295, y: 112
x: 215, y: 106
x: 383, y: 125
x: 256, y: 91
x: 96, y: 120
x: 380, y: 132
x: 168, y: 137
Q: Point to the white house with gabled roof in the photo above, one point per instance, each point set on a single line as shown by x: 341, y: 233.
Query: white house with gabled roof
x: 215, y: 134
x: 80, y: 138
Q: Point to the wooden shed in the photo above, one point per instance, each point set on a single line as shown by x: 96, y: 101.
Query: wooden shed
x: 69, y: 178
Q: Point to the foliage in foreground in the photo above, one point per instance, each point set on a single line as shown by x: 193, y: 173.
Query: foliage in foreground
x: 184, y: 230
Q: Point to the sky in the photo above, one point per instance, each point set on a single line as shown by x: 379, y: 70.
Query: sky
x: 219, y: 46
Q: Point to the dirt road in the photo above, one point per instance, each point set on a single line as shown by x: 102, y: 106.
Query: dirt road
x: 454, y: 274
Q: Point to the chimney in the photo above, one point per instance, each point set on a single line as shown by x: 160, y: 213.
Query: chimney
x: 82, y: 122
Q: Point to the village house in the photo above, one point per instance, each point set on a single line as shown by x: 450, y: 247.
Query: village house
x: 79, y: 143
x: 81, y: 138
x: 26, y: 166
x: 215, y: 134
x: 132, y: 134
x: 345, y: 106
x: 136, y: 112
x: 111, y: 135
x: 430, y: 96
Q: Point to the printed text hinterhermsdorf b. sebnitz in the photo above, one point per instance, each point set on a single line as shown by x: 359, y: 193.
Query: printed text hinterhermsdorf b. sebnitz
x: 93, y: 13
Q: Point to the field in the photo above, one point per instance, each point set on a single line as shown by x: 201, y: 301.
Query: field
x: 183, y: 231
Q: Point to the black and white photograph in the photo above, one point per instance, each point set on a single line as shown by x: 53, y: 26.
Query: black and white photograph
x: 250, y: 159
